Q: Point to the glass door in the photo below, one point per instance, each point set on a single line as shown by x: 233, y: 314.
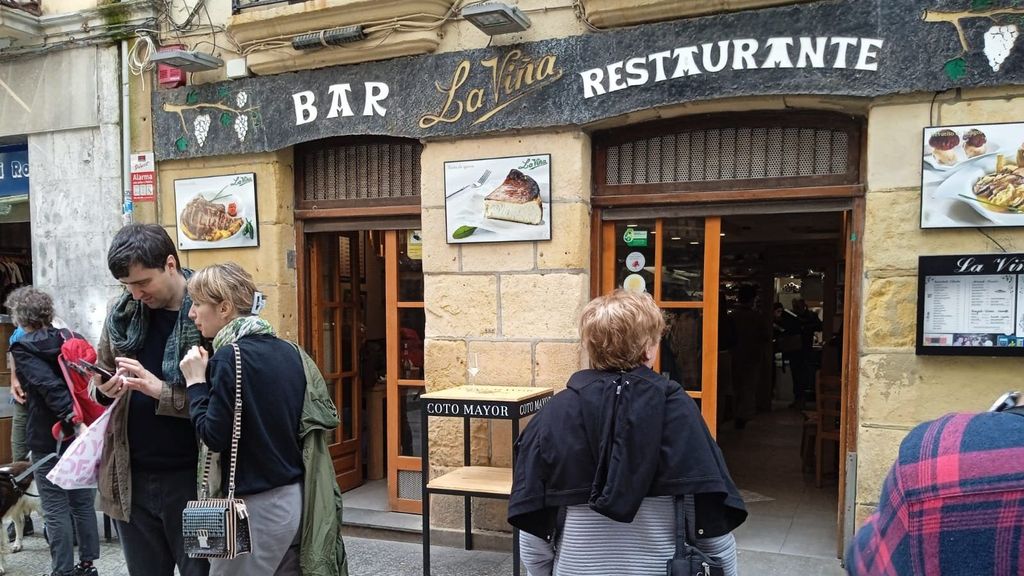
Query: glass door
x: 676, y: 261
x: 405, y: 336
x: 334, y: 287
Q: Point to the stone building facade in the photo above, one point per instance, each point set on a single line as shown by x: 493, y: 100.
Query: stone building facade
x: 514, y: 306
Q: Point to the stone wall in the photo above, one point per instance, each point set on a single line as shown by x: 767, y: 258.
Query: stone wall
x: 898, y: 389
x: 75, y: 201
x: 275, y: 192
x: 514, y: 305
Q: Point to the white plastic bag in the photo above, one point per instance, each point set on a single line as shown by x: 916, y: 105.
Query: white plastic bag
x: 79, y: 466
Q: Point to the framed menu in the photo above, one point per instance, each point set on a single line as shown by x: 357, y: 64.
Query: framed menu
x: 971, y: 305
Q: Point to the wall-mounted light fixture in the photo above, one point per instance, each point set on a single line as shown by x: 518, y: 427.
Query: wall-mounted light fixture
x: 496, y: 18
x: 188, y: 60
x: 324, y: 38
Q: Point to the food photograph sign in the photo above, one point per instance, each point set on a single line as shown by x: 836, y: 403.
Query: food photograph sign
x: 216, y: 212
x: 498, y: 199
x: 973, y: 176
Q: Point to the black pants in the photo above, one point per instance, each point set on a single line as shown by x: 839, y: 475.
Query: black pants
x: 152, y: 540
x: 803, y: 375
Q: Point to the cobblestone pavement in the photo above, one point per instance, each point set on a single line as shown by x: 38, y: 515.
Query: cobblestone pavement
x: 370, y: 557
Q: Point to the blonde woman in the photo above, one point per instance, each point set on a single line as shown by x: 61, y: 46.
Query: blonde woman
x: 283, y: 471
x: 600, y: 468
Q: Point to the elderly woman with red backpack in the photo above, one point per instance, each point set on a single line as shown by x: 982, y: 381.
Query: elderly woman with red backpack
x: 50, y: 403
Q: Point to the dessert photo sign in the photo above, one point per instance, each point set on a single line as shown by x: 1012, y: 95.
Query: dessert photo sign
x: 216, y: 212
x: 498, y: 199
x: 972, y: 176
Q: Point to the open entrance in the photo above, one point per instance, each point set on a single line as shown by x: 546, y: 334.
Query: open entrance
x: 364, y: 290
x: 780, y: 373
x: 773, y: 387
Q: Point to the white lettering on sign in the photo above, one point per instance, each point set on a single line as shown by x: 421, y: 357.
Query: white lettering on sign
x: 373, y: 96
x: 476, y: 410
x: 971, y: 265
x: 837, y: 52
x: 533, y: 405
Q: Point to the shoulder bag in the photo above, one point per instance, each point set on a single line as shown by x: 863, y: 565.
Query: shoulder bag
x: 689, y: 560
x: 219, y: 527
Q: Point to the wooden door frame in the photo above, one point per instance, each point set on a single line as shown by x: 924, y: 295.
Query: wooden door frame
x: 392, y: 307
x: 304, y: 287
x: 708, y: 393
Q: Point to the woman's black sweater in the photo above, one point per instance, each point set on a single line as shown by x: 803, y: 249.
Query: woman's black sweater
x: 273, y: 389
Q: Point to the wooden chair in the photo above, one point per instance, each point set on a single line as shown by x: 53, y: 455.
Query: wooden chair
x: 828, y: 400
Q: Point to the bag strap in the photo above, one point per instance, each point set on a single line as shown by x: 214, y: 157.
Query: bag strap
x: 236, y: 429
x: 236, y: 432
x: 682, y: 527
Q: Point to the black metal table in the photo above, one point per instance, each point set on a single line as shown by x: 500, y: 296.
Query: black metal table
x: 469, y: 402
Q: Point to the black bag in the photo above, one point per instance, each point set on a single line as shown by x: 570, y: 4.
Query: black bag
x: 688, y: 560
x: 219, y: 527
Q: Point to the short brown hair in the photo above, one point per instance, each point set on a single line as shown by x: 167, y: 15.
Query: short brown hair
x: 226, y: 282
x: 618, y: 328
x: 30, y: 307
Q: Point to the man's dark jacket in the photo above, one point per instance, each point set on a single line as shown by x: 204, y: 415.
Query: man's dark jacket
x: 611, y: 439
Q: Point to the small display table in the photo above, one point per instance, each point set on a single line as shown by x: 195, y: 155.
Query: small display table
x: 468, y: 402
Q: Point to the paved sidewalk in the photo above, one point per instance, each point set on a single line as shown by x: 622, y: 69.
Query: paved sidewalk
x: 368, y: 557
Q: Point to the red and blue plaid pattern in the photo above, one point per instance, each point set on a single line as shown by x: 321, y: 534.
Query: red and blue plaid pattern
x: 952, y: 504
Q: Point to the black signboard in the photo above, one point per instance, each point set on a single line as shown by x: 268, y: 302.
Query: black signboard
x: 971, y: 305
x: 861, y: 48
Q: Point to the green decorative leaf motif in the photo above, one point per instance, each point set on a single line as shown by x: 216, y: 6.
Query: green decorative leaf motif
x: 226, y: 119
x: 181, y: 144
x: 980, y: 4
x: 192, y: 98
x: 956, y: 69
x: 223, y: 92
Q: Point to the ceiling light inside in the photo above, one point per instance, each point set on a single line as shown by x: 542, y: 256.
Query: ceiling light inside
x: 496, y: 18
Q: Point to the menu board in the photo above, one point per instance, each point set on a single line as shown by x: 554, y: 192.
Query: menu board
x: 971, y: 305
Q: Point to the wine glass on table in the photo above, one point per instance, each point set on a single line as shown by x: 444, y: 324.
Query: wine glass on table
x: 472, y: 366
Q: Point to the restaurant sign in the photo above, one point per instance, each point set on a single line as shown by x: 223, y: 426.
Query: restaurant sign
x: 835, y: 47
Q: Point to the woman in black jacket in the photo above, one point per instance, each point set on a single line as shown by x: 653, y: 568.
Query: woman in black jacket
x: 269, y: 469
x: 49, y: 401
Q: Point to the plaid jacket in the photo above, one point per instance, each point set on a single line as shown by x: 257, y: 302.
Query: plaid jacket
x: 952, y: 504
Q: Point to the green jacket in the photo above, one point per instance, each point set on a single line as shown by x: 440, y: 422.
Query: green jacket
x: 323, y: 550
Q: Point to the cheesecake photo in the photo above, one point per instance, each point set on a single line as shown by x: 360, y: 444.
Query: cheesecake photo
x: 498, y: 199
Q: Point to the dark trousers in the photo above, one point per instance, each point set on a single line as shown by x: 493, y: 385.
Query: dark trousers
x: 152, y: 540
x: 803, y: 375
x: 67, y: 511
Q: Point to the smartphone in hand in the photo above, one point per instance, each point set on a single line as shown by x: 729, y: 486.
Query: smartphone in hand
x: 103, y: 372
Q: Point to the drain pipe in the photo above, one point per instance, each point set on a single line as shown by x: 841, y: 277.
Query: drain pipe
x: 127, y: 209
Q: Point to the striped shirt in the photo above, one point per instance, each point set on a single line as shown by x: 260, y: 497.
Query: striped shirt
x: 595, y: 545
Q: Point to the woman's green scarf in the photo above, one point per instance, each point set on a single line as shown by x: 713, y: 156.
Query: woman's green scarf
x: 239, y: 327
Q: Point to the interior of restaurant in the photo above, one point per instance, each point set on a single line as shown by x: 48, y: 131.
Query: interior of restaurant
x: 781, y: 440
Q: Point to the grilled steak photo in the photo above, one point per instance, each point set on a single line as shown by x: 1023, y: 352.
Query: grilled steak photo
x: 205, y: 220
x: 516, y: 200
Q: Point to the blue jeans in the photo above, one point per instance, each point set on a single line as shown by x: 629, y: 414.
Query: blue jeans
x: 152, y: 541
x: 67, y: 511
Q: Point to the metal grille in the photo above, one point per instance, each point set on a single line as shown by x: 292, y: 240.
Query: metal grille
x: 362, y: 171
x: 729, y: 154
x: 410, y: 485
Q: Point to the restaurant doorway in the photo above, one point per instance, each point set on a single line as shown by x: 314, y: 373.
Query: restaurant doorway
x: 365, y: 329
x: 718, y: 278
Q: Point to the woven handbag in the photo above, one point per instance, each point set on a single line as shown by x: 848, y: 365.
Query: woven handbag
x: 219, y: 527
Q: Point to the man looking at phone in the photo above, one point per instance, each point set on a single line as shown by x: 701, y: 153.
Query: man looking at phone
x: 148, y: 469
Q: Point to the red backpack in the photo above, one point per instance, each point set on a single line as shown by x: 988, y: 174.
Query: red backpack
x: 72, y: 351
